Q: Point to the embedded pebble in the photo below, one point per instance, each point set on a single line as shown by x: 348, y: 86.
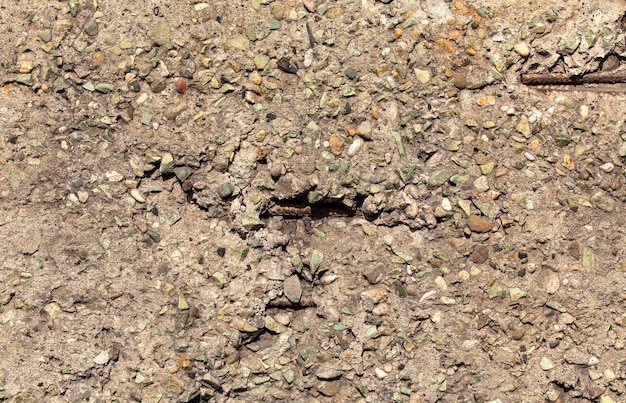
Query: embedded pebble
x: 481, y: 184
x: 607, y: 167
x: 354, y: 148
x: 522, y: 49
x: 380, y: 373
x: 478, y: 224
x: 102, y: 358
x: 225, y: 190
x: 136, y: 194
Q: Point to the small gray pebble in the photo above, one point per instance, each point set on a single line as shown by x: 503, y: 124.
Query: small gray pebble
x: 225, y: 190
x: 91, y: 28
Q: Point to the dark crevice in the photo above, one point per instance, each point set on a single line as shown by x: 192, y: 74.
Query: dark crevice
x: 301, y: 207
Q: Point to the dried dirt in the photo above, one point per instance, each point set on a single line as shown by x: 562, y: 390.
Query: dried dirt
x: 333, y: 201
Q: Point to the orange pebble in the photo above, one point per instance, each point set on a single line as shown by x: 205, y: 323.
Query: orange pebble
x: 98, y: 58
x: 397, y: 32
x: 351, y: 131
x: 181, y: 85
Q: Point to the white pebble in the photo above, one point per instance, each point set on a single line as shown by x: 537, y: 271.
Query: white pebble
x: 380, y: 373
x: 481, y: 184
x: 448, y: 300
x: 114, y: 176
x: 73, y: 198
x: 427, y: 295
x: 583, y: 111
x: 593, y: 360
x: 608, y: 167
x: 355, y: 146
x: 445, y: 204
x: 83, y: 196
x: 522, y: 49
x: 441, y: 283
x: 102, y: 358
x: 308, y: 58
x: 529, y: 156
x: 329, y: 278
x: 136, y: 194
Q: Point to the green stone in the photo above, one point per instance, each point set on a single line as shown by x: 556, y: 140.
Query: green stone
x: 516, y: 293
x: 371, y: 332
x: 398, y: 139
x: 531, y: 225
x: 104, y: 88
x: 569, y: 46
x: 471, y: 123
x: 441, y: 255
x: 494, y: 291
x: 487, y: 168
x: 460, y: 162
x: 588, y: 258
x: 523, y: 126
x: 146, y: 119
x: 137, y: 170
x: 316, y: 260
x: 239, y: 42
x: 261, y: 61
x: 273, y: 326
x: 289, y: 376
x: 89, y: 86
x: 219, y: 279
x: 45, y: 35
x: 306, y: 352
x: 563, y: 141
x: 167, y: 164
x: 348, y: 90
x: 438, y: 178
x: 182, y: 173
x: 142, y: 98
x: 274, y: 25
x: 25, y: 79
x: 339, y: 327
x: 285, y: 152
x: 160, y: 33
x: 125, y: 43
x: 297, y: 264
x: 182, y: 302
x: 225, y: 190
x: 251, y: 33
x: 293, y: 289
x: 320, y: 166
x: 404, y: 257
x: 451, y: 144
x: 252, y: 224
x: 240, y: 253
x: 227, y: 88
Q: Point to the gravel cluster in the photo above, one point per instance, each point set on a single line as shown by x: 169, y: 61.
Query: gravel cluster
x: 311, y: 200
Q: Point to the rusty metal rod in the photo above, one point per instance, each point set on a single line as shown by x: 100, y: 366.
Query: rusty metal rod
x: 566, y: 79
